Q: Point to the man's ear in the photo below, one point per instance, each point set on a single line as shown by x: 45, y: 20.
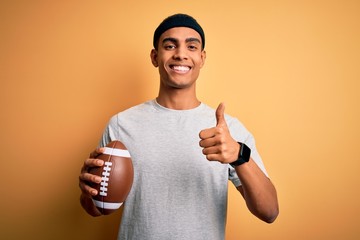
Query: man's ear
x: 153, y: 56
x: 203, y: 58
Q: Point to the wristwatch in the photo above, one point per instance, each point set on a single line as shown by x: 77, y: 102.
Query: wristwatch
x: 244, y: 155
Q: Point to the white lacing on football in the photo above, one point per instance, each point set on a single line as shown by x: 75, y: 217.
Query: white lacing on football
x: 105, y: 178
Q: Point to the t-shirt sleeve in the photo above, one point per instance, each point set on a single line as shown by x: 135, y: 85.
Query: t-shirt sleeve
x: 110, y: 132
x: 241, y: 134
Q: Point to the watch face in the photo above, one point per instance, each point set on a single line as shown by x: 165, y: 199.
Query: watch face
x: 244, y: 155
x: 245, y: 152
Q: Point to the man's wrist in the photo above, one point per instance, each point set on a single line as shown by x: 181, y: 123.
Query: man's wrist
x: 244, y: 155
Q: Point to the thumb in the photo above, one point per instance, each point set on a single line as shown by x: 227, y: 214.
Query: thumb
x: 220, y: 119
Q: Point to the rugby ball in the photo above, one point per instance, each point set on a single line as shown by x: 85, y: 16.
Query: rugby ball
x: 116, y: 174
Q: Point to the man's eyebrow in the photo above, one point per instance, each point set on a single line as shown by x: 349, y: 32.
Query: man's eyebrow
x: 170, y: 39
x: 193, y: 39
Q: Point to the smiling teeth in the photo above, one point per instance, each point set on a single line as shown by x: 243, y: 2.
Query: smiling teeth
x: 181, y: 68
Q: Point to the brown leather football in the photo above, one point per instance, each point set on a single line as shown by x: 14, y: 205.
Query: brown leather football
x: 116, y: 174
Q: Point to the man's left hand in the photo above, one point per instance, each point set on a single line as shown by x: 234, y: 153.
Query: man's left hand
x: 217, y: 143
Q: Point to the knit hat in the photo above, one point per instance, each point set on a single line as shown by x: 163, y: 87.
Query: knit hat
x: 178, y: 20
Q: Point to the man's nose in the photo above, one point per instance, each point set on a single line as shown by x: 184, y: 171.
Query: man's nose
x: 180, y: 53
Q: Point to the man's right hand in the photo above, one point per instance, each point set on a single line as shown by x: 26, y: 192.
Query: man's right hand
x: 85, y: 178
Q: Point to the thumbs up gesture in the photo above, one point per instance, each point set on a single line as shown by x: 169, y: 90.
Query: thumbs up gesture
x: 217, y: 143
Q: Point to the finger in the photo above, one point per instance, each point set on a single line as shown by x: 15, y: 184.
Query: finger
x: 220, y: 119
x: 85, y: 180
x: 213, y: 157
x: 90, y: 162
x: 207, y: 142
x: 207, y: 133
x: 87, y: 189
x: 210, y: 150
x: 88, y: 177
x: 97, y: 152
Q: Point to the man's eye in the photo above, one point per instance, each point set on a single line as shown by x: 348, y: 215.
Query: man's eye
x: 192, y: 47
x: 169, y: 47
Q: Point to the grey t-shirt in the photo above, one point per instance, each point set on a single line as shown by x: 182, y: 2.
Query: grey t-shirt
x: 177, y: 193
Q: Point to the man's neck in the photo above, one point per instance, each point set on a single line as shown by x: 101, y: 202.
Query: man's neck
x: 178, y: 99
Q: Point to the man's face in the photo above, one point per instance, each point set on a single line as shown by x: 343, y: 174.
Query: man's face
x: 179, y: 57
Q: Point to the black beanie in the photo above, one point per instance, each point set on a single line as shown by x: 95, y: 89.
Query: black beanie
x: 178, y: 20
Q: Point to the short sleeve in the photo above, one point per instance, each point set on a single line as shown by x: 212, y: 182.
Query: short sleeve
x: 241, y: 134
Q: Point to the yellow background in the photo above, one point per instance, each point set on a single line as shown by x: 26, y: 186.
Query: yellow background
x: 289, y: 70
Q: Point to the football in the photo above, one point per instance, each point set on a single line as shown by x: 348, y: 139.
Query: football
x: 116, y: 174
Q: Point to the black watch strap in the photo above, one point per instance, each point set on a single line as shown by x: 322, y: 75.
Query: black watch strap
x: 244, y: 155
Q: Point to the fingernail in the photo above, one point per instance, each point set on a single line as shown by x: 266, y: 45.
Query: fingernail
x: 98, y: 180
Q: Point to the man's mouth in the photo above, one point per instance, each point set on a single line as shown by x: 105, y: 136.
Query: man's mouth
x: 180, y: 69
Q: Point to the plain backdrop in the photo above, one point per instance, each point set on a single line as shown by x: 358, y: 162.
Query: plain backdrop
x: 289, y: 70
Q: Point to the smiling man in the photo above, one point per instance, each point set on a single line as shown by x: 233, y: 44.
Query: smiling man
x: 183, y: 152
x: 179, y: 54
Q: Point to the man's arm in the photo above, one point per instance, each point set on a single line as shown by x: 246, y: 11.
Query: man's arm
x: 257, y: 189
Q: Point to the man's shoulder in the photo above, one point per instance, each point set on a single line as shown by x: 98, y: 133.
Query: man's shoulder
x: 135, y: 111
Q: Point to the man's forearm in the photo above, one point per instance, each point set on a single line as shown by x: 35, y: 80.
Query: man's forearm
x: 258, y: 191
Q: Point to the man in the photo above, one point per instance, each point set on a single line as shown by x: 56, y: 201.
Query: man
x: 183, y: 151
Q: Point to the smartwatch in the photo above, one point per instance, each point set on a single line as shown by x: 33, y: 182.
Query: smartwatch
x: 244, y: 155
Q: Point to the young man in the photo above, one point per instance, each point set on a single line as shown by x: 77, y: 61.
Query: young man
x: 183, y: 151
